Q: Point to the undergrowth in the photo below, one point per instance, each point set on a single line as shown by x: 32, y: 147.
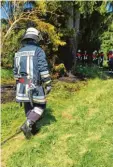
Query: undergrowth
x: 92, y: 71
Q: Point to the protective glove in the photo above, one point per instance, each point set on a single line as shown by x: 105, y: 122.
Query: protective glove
x: 16, y: 77
x: 47, y: 89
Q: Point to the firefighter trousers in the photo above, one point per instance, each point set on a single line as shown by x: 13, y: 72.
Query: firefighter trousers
x: 34, y: 113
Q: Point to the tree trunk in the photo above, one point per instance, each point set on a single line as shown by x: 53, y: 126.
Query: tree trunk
x: 70, y: 26
x: 76, y: 34
x: 74, y: 24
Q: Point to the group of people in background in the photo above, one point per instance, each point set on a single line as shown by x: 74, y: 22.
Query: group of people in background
x: 95, y: 57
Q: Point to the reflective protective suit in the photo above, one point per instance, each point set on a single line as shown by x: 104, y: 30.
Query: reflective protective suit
x: 31, y: 70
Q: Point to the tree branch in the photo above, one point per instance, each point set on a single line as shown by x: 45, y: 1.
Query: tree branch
x: 7, y: 15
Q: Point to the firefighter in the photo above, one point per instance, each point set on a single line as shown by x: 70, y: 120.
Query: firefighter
x: 95, y: 58
x: 82, y: 58
x: 85, y: 57
x: 33, y: 79
x: 78, y: 55
x: 110, y: 60
x: 101, y: 59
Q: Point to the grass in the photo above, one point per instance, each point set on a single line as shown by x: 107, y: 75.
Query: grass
x: 7, y: 76
x: 92, y: 71
x: 75, y: 131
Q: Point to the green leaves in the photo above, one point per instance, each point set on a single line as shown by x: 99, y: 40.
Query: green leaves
x: 14, y: 29
x: 93, y: 24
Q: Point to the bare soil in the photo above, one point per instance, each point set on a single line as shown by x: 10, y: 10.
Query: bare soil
x: 7, y: 94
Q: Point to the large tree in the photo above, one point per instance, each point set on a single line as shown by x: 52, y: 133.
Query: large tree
x: 18, y: 19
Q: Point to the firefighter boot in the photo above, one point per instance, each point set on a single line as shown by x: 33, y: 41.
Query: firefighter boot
x: 34, y: 129
x: 26, y: 128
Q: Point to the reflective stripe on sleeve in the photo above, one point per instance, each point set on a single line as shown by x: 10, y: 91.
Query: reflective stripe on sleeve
x: 44, y: 72
x: 47, y: 82
x: 45, y: 76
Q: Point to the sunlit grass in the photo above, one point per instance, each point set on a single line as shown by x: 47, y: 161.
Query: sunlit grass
x: 75, y: 131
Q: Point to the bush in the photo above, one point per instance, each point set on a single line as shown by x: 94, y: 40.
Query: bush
x: 91, y: 71
x: 59, y: 70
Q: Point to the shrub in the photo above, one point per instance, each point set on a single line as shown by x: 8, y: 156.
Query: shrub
x: 59, y: 70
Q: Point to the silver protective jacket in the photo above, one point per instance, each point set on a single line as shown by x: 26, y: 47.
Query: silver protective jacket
x: 31, y: 61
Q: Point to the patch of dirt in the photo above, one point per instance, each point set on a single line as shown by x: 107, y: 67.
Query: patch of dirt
x: 73, y: 78
x: 67, y: 116
x: 7, y: 94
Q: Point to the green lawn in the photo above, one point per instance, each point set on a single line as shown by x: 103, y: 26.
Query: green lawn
x: 75, y: 131
x: 7, y: 76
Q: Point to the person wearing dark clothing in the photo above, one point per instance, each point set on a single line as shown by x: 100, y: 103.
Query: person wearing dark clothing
x: 101, y: 59
x: 85, y: 57
x: 32, y: 78
x: 95, y: 57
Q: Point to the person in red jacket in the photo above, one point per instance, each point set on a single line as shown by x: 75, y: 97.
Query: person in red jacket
x: 78, y: 55
x: 110, y: 60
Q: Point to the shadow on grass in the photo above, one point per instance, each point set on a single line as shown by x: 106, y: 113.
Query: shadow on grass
x: 46, y: 119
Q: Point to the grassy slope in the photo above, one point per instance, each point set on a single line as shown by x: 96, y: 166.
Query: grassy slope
x: 76, y: 130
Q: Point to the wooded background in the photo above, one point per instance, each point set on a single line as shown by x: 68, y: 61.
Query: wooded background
x: 65, y: 25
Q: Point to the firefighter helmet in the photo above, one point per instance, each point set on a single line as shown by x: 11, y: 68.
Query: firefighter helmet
x: 33, y: 33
